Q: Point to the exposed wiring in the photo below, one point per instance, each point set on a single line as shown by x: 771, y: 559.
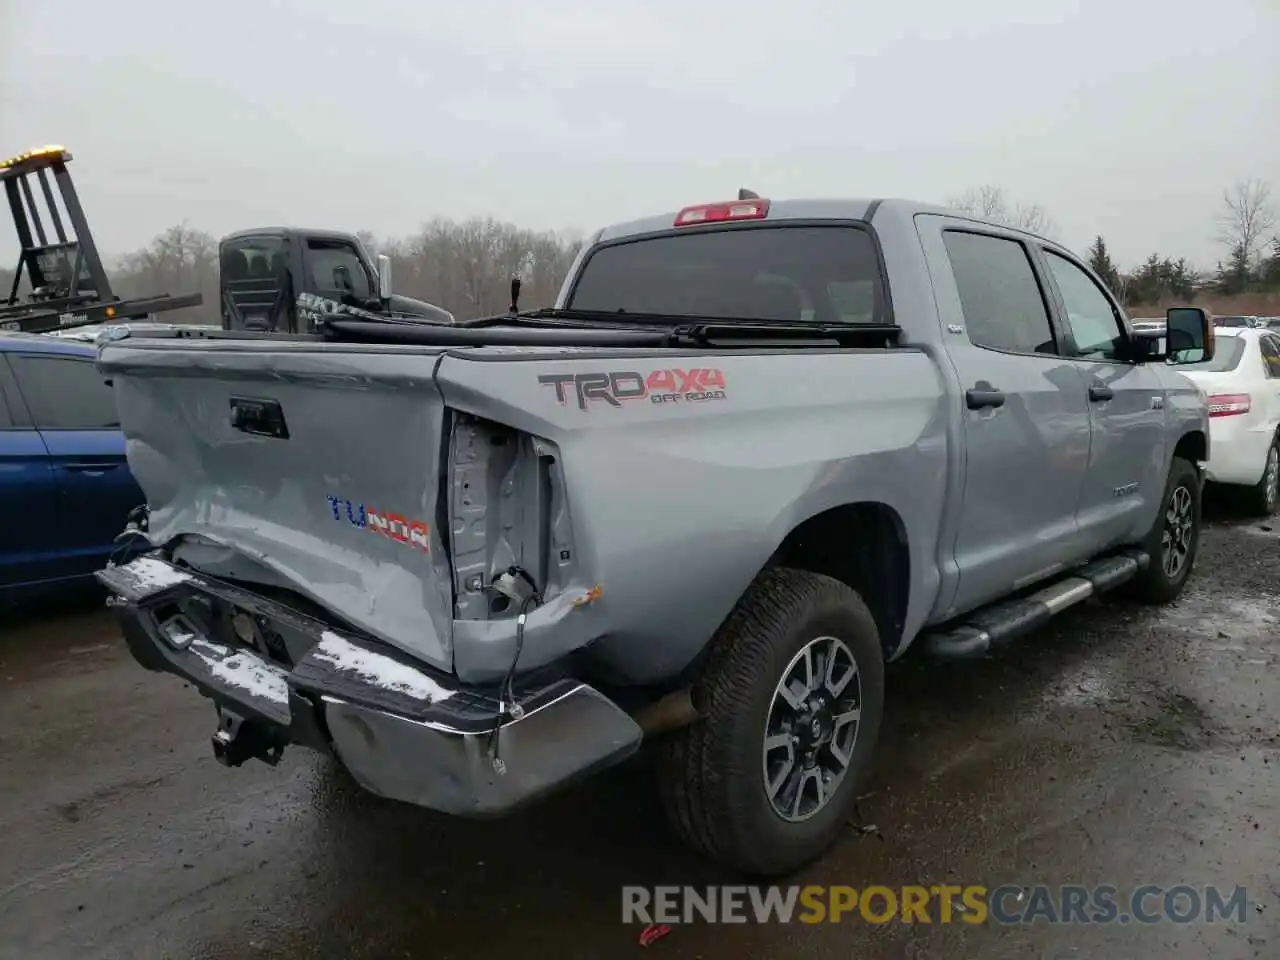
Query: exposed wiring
x: 509, y: 584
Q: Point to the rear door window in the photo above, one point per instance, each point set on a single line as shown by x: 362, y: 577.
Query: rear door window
x: 65, y: 393
x: 791, y: 274
x: 1003, y: 305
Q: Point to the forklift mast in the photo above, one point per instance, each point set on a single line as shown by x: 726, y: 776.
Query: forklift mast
x: 68, y: 283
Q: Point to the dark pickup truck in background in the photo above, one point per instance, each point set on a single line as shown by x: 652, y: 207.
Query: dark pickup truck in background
x: 282, y: 279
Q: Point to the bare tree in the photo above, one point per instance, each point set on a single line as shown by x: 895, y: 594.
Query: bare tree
x: 371, y: 243
x: 180, y: 260
x: 1247, y: 217
x: 986, y: 202
x: 989, y: 202
x: 467, y: 267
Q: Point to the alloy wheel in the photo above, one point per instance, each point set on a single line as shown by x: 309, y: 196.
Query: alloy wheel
x: 811, y: 728
x: 1178, y: 535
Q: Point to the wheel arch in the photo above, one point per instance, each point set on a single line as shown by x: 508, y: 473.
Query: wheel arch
x: 1192, y: 445
x: 865, y: 546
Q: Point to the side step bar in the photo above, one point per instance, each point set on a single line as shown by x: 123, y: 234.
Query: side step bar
x: 995, y: 626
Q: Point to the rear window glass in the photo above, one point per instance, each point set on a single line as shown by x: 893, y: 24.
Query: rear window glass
x: 252, y: 258
x: 1227, y: 352
x: 819, y: 274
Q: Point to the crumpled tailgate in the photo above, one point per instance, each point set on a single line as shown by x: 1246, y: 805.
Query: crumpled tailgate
x: 318, y: 464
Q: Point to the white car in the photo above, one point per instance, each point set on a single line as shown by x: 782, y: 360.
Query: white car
x: 1237, y: 321
x: 1242, y: 382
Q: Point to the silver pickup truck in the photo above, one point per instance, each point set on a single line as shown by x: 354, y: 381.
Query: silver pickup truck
x: 755, y: 451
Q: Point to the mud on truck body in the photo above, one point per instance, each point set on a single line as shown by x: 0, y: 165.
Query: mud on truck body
x: 756, y: 450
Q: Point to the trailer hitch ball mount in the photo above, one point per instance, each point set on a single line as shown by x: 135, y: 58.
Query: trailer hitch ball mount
x: 237, y: 740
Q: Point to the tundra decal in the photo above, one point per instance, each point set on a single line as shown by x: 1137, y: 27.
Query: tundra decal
x: 696, y: 385
x: 393, y: 526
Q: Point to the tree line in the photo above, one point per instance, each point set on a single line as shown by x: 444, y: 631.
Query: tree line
x: 466, y: 266
x: 1249, y: 271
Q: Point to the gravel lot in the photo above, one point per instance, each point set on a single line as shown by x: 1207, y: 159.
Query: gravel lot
x: 1120, y: 745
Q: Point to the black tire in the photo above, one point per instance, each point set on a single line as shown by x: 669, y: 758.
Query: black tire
x: 1262, y: 497
x: 1156, y: 584
x: 711, y: 775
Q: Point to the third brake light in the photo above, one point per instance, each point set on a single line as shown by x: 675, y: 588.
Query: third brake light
x: 720, y: 212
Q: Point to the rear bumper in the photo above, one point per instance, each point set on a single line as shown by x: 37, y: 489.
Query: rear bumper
x: 404, y: 731
x: 1237, y: 452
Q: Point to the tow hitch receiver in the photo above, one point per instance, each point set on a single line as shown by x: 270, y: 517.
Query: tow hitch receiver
x: 238, y: 740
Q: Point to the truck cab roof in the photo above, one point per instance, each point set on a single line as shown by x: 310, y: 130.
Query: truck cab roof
x: 816, y: 208
x: 287, y: 232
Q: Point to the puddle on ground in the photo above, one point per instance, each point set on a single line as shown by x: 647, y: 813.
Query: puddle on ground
x: 1150, y: 712
x: 1174, y: 719
x: 1224, y: 618
x: 1258, y: 530
x: 1087, y: 684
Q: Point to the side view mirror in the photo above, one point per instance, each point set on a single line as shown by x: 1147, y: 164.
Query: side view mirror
x: 1189, y: 335
x: 384, y: 277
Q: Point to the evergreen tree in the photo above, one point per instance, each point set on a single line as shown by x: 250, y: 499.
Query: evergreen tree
x: 1100, y: 261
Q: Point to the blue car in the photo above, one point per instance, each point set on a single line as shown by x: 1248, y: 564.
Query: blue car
x: 65, y: 488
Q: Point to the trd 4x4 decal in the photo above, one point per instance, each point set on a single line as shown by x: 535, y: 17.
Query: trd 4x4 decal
x: 696, y: 385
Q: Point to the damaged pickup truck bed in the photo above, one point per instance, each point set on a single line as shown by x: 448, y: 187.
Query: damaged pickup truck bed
x: 755, y: 451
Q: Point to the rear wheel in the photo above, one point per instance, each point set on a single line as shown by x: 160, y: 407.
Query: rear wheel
x: 791, y: 698
x: 1174, y: 539
x: 1262, y: 497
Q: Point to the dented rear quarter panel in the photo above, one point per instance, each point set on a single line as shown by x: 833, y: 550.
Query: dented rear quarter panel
x: 676, y: 506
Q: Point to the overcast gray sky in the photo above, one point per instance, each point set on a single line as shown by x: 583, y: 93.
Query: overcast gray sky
x: 1126, y: 118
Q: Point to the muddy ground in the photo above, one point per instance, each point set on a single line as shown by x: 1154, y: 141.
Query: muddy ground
x: 1122, y: 745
